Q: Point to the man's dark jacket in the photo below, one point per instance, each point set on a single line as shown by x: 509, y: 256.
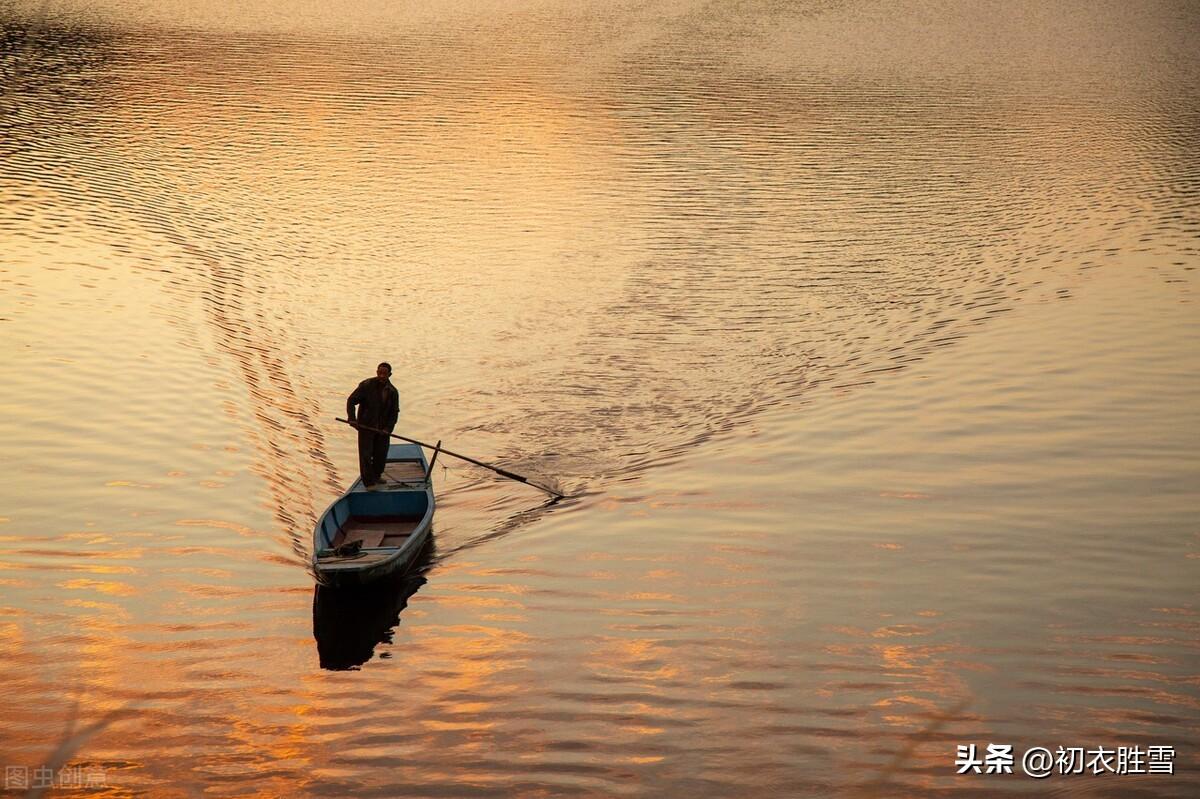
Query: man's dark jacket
x: 378, y: 406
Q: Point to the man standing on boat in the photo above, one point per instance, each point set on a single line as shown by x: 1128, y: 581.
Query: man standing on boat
x: 378, y: 404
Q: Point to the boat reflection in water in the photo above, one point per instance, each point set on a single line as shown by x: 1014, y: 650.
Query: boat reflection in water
x: 348, y: 623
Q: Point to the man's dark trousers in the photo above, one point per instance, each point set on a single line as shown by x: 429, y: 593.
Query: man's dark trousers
x: 372, y: 455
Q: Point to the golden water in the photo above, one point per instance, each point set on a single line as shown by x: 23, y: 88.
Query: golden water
x: 863, y: 335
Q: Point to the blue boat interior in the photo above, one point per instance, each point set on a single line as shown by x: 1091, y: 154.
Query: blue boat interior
x: 383, y: 517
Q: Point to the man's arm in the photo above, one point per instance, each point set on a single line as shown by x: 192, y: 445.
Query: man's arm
x: 393, y: 411
x: 354, y: 399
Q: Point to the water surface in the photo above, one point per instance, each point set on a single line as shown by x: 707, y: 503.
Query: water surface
x: 862, y: 334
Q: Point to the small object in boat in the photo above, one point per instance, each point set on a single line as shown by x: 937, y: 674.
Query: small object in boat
x: 348, y: 549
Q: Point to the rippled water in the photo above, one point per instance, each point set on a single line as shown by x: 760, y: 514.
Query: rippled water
x: 862, y: 334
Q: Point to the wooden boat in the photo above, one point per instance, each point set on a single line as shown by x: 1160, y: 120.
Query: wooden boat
x: 391, y: 523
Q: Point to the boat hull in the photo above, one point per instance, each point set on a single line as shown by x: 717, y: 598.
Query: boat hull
x: 388, y: 525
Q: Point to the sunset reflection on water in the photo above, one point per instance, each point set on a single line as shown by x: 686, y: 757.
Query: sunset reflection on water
x: 871, y: 373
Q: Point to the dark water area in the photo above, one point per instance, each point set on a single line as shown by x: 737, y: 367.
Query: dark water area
x: 862, y: 335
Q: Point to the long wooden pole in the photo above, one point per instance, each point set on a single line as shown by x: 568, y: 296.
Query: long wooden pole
x: 468, y: 459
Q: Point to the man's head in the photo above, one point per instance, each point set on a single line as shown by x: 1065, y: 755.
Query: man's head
x: 383, y: 371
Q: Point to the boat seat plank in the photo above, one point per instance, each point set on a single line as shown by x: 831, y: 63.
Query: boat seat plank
x: 374, y: 533
x: 333, y: 563
x: 369, y: 538
x: 403, y: 471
